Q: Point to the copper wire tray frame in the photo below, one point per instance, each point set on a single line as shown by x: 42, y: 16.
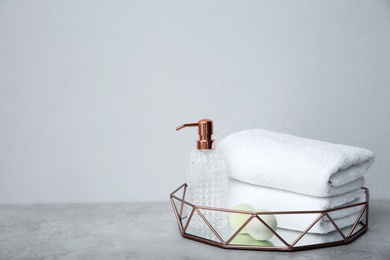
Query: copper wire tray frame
x: 352, y: 235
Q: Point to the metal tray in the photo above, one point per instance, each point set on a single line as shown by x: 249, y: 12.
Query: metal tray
x: 282, y: 240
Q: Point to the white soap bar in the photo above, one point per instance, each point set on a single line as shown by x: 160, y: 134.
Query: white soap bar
x: 258, y: 230
x: 236, y: 220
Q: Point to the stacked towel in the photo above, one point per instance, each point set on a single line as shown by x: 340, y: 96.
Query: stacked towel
x: 324, y: 175
x: 279, y: 200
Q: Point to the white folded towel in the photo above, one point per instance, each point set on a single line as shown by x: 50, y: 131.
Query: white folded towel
x: 309, y: 239
x: 295, y: 164
x: 279, y: 200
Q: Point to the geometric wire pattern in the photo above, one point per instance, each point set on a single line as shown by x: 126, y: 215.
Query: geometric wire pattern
x: 178, y: 202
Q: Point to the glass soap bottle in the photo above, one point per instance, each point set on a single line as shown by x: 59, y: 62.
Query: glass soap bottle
x: 207, y: 182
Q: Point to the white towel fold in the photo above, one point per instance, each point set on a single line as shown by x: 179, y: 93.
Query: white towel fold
x: 295, y: 164
x: 279, y: 200
x: 309, y: 239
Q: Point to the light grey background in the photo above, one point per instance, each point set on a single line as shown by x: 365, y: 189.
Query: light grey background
x: 91, y: 91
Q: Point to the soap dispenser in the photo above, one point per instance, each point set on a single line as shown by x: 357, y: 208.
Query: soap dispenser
x: 206, y: 176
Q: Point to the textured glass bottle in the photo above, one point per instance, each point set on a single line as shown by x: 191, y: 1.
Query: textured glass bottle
x: 207, y: 185
x: 207, y: 178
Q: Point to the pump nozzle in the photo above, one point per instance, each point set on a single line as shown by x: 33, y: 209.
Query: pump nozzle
x: 186, y: 125
x: 205, y: 130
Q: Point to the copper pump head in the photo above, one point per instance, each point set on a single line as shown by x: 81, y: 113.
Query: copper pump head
x: 206, y: 130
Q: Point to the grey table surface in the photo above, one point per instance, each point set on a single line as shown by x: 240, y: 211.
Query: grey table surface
x: 147, y: 231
